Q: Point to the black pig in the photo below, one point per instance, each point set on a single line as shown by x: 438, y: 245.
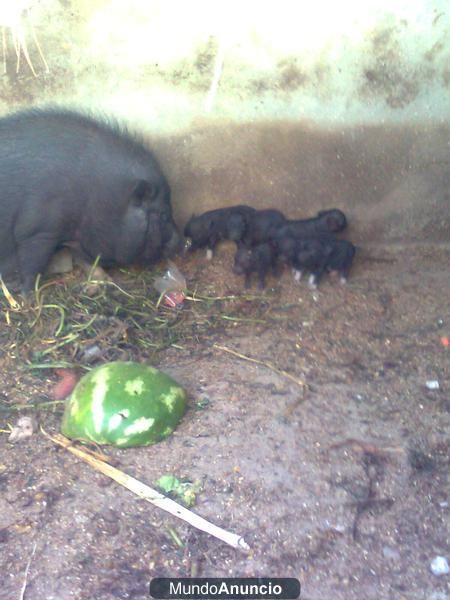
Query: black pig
x: 326, y: 221
x: 259, y: 259
x: 341, y: 259
x: 67, y: 179
x: 213, y: 226
x: 317, y: 254
x: 263, y: 226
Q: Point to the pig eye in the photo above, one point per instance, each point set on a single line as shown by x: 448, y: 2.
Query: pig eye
x: 332, y: 223
x: 144, y: 190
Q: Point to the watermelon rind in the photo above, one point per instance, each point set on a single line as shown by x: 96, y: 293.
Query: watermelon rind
x: 124, y: 404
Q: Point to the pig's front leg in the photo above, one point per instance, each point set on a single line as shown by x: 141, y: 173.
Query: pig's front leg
x: 34, y: 254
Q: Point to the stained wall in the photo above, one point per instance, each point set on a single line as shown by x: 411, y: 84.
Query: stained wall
x: 272, y: 103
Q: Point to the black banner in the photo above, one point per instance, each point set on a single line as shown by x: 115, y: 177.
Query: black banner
x: 229, y: 588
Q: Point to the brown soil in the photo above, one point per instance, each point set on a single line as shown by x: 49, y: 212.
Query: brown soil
x: 342, y: 484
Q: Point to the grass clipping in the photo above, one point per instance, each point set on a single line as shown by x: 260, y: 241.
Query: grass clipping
x: 149, y: 494
x: 64, y: 324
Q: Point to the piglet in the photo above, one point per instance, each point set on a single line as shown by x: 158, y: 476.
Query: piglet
x: 210, y: 228
x: 263, y: 226
x: 326, y: 221
x: 258, y: 259
x: 317, y: 255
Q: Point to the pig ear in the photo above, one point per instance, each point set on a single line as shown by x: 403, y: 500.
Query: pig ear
x: 144, y: 190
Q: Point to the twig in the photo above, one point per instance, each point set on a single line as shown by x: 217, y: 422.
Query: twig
x: 269, y: 365
x: 243, y: 319
x: 60, y: 364
x: 24, y: 586
x: 37, y: 405
x: 194, y: 297
x: 13, y: 304
x: 366, y: 447
x: 150, y: 495
x: 33, y: 33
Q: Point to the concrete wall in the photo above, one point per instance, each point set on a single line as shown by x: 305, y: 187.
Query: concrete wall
x: 295, y: 104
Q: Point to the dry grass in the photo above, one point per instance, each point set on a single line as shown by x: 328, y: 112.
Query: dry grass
x: 17, y: 28
x: 64, y: 325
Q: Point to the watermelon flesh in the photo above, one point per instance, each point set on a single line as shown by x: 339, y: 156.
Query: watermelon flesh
x: 124, y: 404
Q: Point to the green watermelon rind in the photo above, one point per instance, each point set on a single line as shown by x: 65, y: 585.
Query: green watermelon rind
x: 124, y: 404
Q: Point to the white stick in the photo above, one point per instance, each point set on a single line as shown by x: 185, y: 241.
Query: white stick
x: 27, y: 569
x: 218, y: 67
x: 151, y: 495
x: 33, y: 33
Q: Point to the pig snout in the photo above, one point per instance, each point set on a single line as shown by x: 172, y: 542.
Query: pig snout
x: 187, y: 245
x: 174, y: 242
x: 162, y: 240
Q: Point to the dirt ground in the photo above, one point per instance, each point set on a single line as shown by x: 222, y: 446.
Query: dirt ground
x: 342, y: 482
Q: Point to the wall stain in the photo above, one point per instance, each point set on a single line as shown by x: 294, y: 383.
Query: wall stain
x: 388, y: 75
x: 446, y: 77
x: 290, y: 75
x: 435, y: 49
x: 206, y: 56
x: 195, y: 72
x: 260, y: 85
x: 23, y: 88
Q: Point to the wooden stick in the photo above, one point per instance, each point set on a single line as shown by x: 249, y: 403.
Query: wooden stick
x: 269, y: 365
x: 27, y: 569
x: 150, y: 495
x: 366, y: 447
